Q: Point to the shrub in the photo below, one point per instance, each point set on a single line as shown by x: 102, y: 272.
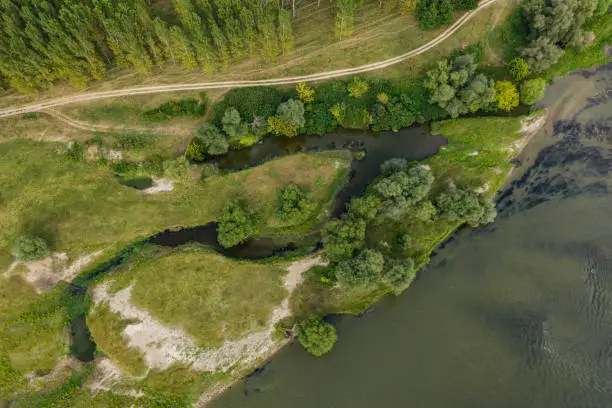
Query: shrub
x: 233, y: 125
x: 365, y: 208
x: 362, y: 271
x: 355, y: 117
x: 399, y: 275
x: 357, y: 87
x: 250, y: 102
x: 409, y: 187
x: 397, y: 113
x: 128, y: 141
x: 393, y: 166
x: 383, y: 98
x: 237, y: 224
x: 518, y: 69
x: 196, y: 151
x: 317, y: 336
x: 305, y: 93
x: 293, y: 205
x: 175, y: 108
x: 424, y: 211
x: 541, y: 54
x: 460, y: 205
x: 213, y: 140
x: 507, y: 95
x: 457, y: 88
x: 209, y: 170
x: 341, y: 238
x: 177, y: 169
x: 292, y: 113
x: 407, y: 6
x: 319, y: 120
x: 30, y: 248
x: 532, y: 90
x: 434, y: 13
x: 280, y: 127
x: 76, y: 151
x: 404, y: 241
x: 465, y: 4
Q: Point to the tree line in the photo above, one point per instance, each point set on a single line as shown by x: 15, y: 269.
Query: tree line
x: 44, y: 41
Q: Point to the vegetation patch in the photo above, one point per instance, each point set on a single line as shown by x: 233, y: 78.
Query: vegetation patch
x: 78, y: 206
x: 198, y: 291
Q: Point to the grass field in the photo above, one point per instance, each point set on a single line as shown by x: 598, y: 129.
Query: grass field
x: 79, y: 207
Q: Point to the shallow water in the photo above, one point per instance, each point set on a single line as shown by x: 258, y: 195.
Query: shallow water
x: 515, y: 315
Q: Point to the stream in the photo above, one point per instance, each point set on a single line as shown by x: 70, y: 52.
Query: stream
x: 517, y: 314
x: 412, y: 143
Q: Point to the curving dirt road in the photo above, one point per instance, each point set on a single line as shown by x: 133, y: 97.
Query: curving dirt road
x: 240, y: 84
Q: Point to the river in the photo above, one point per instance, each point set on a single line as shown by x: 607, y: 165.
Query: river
x: 518, y: 314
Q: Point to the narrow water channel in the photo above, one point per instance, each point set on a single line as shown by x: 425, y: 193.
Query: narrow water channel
x: 515, y: 315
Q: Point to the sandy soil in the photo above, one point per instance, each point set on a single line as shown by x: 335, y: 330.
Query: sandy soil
x: 159, y: 186
x: 163, y: 346
x: 46, y: 273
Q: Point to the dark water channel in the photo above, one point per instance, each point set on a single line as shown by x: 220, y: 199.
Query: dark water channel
x: 515, y: 315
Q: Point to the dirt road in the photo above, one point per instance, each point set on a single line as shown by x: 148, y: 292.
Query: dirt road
x: 240, y: 84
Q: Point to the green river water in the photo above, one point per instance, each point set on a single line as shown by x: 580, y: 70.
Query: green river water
x: 518, y: 314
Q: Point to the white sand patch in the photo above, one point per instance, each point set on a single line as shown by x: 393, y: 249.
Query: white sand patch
x: 163, y: 346
x: 426, y: 166
x: 159, y: 185
x: 472, y: 154
x: 47, y: 272
x: 482, y: 189
x: 530, y: 126
x: 113, y: 155
x: 106, y: 376
x: 59, y: 373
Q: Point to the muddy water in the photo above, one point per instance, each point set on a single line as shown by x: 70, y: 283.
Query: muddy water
x: 515, y: 315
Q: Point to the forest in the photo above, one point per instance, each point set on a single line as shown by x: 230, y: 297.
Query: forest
x: 42, y: 41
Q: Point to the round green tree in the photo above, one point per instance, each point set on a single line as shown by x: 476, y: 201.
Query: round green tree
x: 507, y: 95
x: 400, y: 275
x: 30, y: 248
x: 362, y: 271
x: 532, y: 90
x: 317, y: 336
x: 519, y: 69
x: 237, y: 224
x: 293, y: 205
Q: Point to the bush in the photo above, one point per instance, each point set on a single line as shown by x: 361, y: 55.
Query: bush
x: 465, y: 4
x: 424, y: 211
x: 355, y: 117
x: 382, y: 98
x: 507, y: 95
x: 394, y: 165
x: 395, y: 114
x: 233, y: 125
x: 237, y: 224
x: 532, y: 90
x: 196, y: 151
x: 177, y: 169
x: 319, y: 120
x: 172, y: 109
x: 341, y: 238
x: 457, y: 88
x: 280, y: 127
x: 434, y: 13
x: 213, y: 140
x: 250, y: 103
x: 76, y: 151
x: 362, y: 271
x: 292, y: 112
x: 127, y: 141
x: 30, y: 248
x: 365, y: 208
x: 399, y: 275
x: 305, y: 93
x: 519, y: 69
x: 357, y: 87
x: 409, y: 187
x: 317, y: 336
x: 209, y: 170
x: 460, y: 205
x: 404, y: 241
x: 293, y: 205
